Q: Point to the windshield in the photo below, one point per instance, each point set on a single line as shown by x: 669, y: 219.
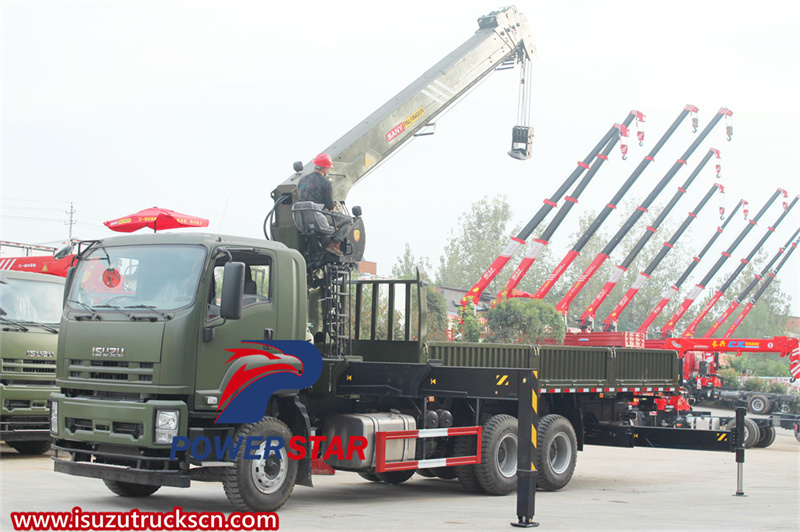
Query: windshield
x: 28, y: 301
x: 159, y: 277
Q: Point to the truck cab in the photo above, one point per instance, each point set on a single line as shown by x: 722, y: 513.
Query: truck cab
x: 30, y: 311
x: 146, y: 334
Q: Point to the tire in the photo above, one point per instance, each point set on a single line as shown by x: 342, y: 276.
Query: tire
x: 497, y: 472
x: 427, y: 473
x: 557, y: 452
x: 445, y: 473
x: 465, y: 446
x: 751, y: 432
x: 127, y: 489
x: 759, y: 404
x: 261, y: 485
x: 372, y: 477
x: 31, y: 447
x: 767, y: 437
x: 396, y: 477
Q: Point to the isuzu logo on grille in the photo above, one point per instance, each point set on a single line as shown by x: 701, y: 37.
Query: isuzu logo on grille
x: 108, y: 352
x: 40, y: 354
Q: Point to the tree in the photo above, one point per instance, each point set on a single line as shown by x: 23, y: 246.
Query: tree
x: 524, y: 321
x: 478, y: 240
x: 406, y: 268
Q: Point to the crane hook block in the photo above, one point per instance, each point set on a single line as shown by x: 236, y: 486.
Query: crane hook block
x: 729, y: 131
x: 521, y: 141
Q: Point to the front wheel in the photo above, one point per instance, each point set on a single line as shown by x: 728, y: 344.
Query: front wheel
x: 128, y: 489
x: 31, y: 447
x: 558, y: 452
x: 497, y: 472
x: 265, y: 483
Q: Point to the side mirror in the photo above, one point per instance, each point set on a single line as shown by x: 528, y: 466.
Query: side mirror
x: 297, y: 166
x: 63, y: 252
x: 356, y: 211
x: 232, y: 291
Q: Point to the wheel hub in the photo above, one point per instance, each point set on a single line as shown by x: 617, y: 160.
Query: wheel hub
x: 560, y: 453
x: 269, y: 474
x: 507, y: 455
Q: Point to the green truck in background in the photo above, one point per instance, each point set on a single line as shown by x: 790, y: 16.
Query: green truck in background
x: 30, y: 313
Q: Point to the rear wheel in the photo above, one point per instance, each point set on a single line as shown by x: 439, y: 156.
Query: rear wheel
x: 759, y: 404
x: 751, y: 432
x: 372, y: 477
x: 558, y: 452
x: 127, y: 489
x: 263, y: 484
x: 465, y: 446
x: 767, y: 437
x: 396, y: 477
x: 31, y: 447
x: 497, y: 472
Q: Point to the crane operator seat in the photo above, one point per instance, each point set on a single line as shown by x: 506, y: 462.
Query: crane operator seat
x: 313, y: 224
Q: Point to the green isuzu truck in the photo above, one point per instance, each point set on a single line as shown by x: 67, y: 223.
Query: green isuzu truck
x: 30, y: 313
x: 149, y: 323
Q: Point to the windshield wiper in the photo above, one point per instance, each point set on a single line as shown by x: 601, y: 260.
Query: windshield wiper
x: 118, y: 309
x: 153, y: 309
x: 94, y: 316
x: 14, y: 323
x: 45, y: 327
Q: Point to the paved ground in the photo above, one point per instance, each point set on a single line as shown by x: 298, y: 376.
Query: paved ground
x: 613, y: 489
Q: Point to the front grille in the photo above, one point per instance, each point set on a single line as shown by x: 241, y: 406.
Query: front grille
x: 74, y: 424
x: 111, y: 370
x: 15, y: 371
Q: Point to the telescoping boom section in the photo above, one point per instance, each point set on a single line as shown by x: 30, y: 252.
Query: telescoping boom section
x: 690, y: 330
x: 612, y: 204
x: 669, y: 327
x: 586, y: 276
x: 763, y: 288
x: 595, y: 155
x: 587, y: 318
x: 749, y: 288
x: 610, y: 322
x: 566, y: 207
x: 675, y: 288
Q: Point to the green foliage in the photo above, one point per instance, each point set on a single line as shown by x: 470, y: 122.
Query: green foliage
x: 777, y: 387
x: 730, y: 378
x: 480, y: 237
x: 753, y: 384
x: 468, y: 328
x: 763, y: 364
x: 437, y: 315
x: 524, y: 321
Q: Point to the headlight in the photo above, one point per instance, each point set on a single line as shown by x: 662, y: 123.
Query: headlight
x: 54, y: 418
x: 167, y: 422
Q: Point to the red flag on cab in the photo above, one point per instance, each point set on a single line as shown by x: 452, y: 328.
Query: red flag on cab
x: 154, y: 218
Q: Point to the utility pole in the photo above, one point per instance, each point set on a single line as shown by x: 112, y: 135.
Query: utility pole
x: 71, y: 221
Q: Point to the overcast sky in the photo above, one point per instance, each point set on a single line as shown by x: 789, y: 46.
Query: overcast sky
x: 202, y: 107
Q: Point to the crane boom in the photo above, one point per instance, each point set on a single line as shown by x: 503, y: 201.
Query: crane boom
x: 690, y: 330
x: 587, y: 318
x: 760, y: 292
x: 569, y: 202
x: 518, y: 241
x: 610, y: 322
x: 669, y: 327
x: 750, y: 287
x: 501, y: 34
x: 585, y: 277
x: 610, y: 206
x: 674, y: 289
